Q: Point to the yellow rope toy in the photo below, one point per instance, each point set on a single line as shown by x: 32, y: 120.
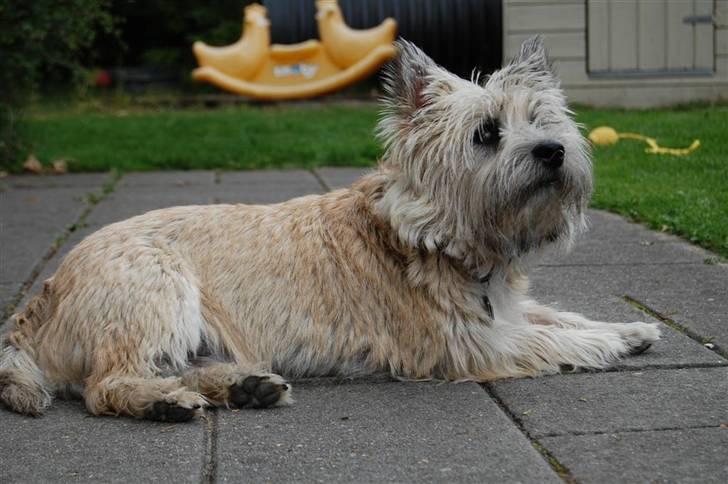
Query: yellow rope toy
x: 605, y: 135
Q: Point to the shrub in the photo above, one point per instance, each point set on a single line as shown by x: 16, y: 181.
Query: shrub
x: 43, y: 42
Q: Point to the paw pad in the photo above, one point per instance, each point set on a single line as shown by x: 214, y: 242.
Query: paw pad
x: 638, y: 350
x: 256, y: 392
x: 162, y: 411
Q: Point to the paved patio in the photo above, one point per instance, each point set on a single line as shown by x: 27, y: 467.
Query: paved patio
x: 661, y: 416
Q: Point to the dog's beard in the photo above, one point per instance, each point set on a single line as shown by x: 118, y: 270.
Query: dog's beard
x: 532, y: 208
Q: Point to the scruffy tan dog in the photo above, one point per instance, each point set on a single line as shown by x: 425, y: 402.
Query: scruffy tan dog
x: 419, y: 269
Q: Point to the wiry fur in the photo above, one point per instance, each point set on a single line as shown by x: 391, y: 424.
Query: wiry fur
x: 419, y: 269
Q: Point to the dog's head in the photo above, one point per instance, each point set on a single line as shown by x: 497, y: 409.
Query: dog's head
x: 497, y: 167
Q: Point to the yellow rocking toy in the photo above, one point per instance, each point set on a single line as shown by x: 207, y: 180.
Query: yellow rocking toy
x: 253, y: 67
x: 605, y: 135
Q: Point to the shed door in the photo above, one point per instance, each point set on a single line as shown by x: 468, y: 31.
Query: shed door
x: 650, y: 37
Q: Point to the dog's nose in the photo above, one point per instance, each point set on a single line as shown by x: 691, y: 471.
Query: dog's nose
x: 550, y: 153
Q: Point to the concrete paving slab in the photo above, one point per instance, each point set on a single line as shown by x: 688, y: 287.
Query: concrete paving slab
x: 8, y: 291
x: 22, y: 249
x: 68, y: 445
x: 694, y: 295
x: 341, y: 177
x: 593, y: 252
x: 52, y: 264
x: 378, y: 432
x: 31, y: 220
x: 138, y: 193
x: 34, y: 213
x: 683, y: 456
x: 167, y: 178
x: 609, y: 227
x: 612, y: 239
x: 88, y: 180
x: 619, y: 401
x: 674, y: 349
x: 269, y: 186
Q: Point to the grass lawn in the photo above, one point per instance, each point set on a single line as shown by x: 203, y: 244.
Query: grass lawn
x: 684, y: 195
x: 235, y: 138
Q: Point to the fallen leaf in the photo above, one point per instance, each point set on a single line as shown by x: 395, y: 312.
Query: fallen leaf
x: 60, y: 167
x: 33, y: 165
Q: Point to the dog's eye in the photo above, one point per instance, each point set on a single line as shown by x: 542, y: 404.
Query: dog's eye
x: 487, y: 134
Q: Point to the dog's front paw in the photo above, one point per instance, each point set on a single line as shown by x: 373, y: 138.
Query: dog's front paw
x: 260, y: 391
x: 640, y: 336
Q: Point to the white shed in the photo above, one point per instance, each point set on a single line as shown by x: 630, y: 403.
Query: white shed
x: 631, y: 53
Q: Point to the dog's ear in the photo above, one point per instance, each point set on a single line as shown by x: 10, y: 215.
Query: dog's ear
x: 532, y: 56
x: 406, y: 78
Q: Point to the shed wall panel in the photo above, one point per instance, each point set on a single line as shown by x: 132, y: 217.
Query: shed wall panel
x: 652, y: 35
x: 598, y: 36
x: 721, y: 13
x: 721, y: 65
x: 680, y: 40
x: 543, y: 2
x: 623, y: 35
x: 704, y: 46
x: 545, y: 18
x: 721, y: 41
x: 558, y: 44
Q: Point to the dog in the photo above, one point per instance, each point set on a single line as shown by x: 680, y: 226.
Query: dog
x: 419, y: 269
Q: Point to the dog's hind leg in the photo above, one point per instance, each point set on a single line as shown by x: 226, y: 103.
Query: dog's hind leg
x: 240, y: 383
x: 162, y: 399
x: 238, y: 386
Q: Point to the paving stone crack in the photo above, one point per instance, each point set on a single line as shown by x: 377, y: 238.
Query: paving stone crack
x: 626, y: 431
x: 321, y: 180
x: 623, y: 264
x: 209, y: 465
x: 694, y: 335
x: 560, y: 469
x: 92, y: 199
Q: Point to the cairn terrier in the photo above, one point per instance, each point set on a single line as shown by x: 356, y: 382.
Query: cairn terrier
x: 419, y: 269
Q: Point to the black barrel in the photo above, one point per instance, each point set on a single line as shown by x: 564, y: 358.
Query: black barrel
x: 461, y: 35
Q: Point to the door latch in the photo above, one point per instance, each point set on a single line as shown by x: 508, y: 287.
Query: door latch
x: 698, y: 19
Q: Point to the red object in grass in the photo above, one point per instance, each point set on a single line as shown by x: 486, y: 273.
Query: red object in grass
x: 103, y: 79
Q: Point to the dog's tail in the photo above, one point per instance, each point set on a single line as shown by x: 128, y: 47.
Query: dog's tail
x: 23, y: 386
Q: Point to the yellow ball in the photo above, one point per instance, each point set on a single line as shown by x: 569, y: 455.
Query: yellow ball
x: 603, y: 135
